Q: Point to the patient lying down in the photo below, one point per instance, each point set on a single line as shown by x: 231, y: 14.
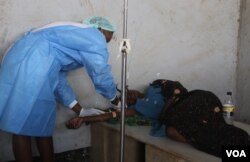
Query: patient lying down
x: 193, y: 117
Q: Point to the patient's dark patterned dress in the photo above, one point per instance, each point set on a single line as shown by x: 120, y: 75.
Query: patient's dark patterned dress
x: 197, y: 116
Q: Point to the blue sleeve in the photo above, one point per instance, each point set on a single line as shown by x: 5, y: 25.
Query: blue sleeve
x: 93, y: 55
x: 64, y: 93
x: 97, y: 67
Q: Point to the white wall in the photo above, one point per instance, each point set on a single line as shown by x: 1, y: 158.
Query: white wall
x: 243, y: 77
x: 192, y: 41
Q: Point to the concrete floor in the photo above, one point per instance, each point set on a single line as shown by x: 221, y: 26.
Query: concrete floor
x: 79, y: 155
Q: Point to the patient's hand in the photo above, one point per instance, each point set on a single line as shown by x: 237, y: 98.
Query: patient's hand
x: 132, y: 96
x: 74, y: 123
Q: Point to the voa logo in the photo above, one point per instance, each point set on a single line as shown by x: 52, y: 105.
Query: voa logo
x: 236, y: 153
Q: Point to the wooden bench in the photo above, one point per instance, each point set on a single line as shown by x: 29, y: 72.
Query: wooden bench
x: 139, y: 146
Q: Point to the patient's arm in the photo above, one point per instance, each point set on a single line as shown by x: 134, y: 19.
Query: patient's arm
x: 132, y: 96
x: 76, y: 122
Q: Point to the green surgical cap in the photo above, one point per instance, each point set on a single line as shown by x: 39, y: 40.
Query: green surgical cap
x: 100, y: 22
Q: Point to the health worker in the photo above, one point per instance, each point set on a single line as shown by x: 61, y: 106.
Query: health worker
x: 32, y: 80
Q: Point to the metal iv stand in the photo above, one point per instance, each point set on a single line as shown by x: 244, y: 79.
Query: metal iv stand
x: 123, y: 81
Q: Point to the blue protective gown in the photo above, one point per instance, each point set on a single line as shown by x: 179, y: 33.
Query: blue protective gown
x: 32, y: 75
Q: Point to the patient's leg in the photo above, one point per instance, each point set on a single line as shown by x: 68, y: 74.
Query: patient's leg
x: 175, y: 135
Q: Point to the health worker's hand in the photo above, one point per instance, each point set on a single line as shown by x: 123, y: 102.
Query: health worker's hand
x: 116, y: 103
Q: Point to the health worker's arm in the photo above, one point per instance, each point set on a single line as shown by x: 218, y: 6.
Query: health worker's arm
x: 93, y: 55
x: 96, y: 64
x: 65, y: 94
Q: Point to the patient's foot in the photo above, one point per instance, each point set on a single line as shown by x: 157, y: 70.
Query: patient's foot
x: 175, y: 135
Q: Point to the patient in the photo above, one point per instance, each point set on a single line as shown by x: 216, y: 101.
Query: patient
x: 149, y: 104
x: 193, y: 117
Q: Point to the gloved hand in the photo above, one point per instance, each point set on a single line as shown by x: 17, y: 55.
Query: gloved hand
x: 116, y: 103
x: 118, y: 106
x: 90, y: 112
